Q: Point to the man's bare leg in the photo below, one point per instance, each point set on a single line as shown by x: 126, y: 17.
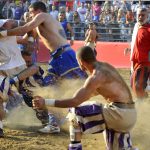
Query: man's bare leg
x: 75, y: 136
x: 30, y: 71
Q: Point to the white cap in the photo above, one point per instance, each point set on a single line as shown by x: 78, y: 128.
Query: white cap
x: 2, y: 22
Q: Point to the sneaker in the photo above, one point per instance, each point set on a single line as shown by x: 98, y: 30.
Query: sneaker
x: 50, y: 129
x: 1, y: 133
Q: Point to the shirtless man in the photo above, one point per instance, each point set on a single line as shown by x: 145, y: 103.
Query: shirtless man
x: 63, y: 63
x: 117, y: 117
x: 91, y: 36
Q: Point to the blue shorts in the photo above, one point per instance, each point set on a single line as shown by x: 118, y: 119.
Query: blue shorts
x: 63, y: 64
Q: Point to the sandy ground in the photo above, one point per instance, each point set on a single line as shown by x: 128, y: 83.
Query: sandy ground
x: 21, y: 126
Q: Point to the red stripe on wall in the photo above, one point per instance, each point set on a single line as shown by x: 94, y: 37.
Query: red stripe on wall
x: 111, y: 52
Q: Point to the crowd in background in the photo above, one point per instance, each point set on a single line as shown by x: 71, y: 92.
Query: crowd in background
x: 119, y: 14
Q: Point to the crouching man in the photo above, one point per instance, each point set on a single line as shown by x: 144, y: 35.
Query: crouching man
x: 117, y: 117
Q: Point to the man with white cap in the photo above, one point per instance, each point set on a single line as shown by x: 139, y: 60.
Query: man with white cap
x: 12, y: 65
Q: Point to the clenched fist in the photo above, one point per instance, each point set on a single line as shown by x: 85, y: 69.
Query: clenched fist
x: 38, y: 102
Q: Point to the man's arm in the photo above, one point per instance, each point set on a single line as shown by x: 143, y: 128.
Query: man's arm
x: 71, y: 32
x: 28, y: 26
x: 89, y: 37
x: 22, y: 39
x: 83, y: 94
x: 86, y: 33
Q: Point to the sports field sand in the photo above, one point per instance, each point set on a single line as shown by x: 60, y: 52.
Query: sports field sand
x: 21, y: 125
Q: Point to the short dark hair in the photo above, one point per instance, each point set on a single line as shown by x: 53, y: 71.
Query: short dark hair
x: 86, y: 54
x: 38, y: 5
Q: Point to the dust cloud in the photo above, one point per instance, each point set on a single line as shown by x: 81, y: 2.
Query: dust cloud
x: 26, y: 117
x: 141, y: 131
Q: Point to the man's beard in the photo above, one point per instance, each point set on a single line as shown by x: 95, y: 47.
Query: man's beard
x: 143, y: 22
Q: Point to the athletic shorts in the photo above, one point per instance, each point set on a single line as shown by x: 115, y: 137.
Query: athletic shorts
x: 94, y: 117
x: 64, y: 65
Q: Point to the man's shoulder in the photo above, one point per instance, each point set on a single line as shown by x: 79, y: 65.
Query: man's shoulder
x: 43, y: 14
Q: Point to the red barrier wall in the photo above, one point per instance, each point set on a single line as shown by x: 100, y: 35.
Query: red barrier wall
x: 111, y: 52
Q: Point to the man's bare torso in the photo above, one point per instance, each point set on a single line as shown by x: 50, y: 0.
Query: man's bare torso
x: 111, y: 85
x: 93, y: 35
x: 51, y: 33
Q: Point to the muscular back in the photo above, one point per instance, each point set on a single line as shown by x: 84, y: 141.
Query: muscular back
x: 110, y: 84
x: 51, y: 32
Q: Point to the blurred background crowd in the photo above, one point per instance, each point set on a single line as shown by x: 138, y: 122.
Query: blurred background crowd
x: 114, y: 19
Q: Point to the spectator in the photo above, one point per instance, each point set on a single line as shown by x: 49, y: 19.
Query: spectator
x: 62, y: 3
x: 96, y: 11
x: 107, y: 19
x: 56, y: 4
x: 62, y: 9
x: 121, y: 18
x: 129, y: 23
x: 129, y: 17
x: 76, y: 18
x: 106, y: 6
x: 82, y: 11
x: 69, y: 3
x: 6, y: 11
x: 50, y: 2
x: 86, y: 5
x: 114, y: 13
x: 67, y: 27
x: 88, y: 15
x: 116, y: 3
x: 26, y: 5
x: 75, y: 5
x: 18, y: 12
x: 125, y: 6
x: 77, y: 24
x: 69, y: 14
x: 54, y: 12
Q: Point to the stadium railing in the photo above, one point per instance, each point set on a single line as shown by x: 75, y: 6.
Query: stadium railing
x: 113, y: 32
